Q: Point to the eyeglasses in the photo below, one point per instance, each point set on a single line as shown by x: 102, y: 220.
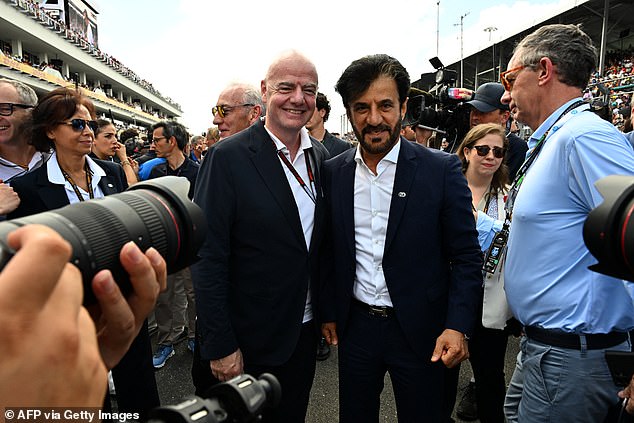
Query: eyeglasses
x: 80, y: 124
x: 483, y: 151
x: 225, y: 110
x: 6, y: 109
x: 157, y: 139
x: 504, y: 79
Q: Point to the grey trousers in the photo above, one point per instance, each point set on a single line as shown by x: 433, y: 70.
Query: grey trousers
x: 175, y: 308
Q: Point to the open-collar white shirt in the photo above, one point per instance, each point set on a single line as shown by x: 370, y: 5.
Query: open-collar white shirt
x: 372, y: 199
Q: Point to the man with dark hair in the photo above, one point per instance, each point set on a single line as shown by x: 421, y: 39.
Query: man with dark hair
x: 486, y: 107
x: 257, y: 279
x: 400, y: 290
x: 571, y: 315
x: 315, y: 126
x: 170, y: 139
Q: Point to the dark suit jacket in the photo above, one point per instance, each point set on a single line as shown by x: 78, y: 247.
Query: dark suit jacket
x: 38, y: 195
x: 432, y: 259
x: 515, y: 155
x: 334, y: 145
x: 253, y: 277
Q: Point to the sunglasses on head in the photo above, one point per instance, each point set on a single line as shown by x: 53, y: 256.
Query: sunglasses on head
x: 80, y: 124
x: 483, y: 151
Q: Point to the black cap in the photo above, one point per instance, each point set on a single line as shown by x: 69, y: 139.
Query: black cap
x: 487, y: 98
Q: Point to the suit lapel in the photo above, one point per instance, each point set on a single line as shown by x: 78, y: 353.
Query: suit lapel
x: 405, y: 171
x: 267, y: 163
x: 346, y: 183
x: 53, y: 195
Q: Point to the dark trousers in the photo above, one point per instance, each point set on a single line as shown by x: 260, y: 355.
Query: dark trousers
x: 134, y: 379
x: 372, y: 346
x: 487, y: 349
x: 295, y: 376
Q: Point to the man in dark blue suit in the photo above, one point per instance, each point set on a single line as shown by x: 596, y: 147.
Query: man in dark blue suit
x: 402, y: 276
x: 256, y: 282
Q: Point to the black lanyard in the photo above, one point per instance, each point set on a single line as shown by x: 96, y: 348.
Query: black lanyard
x: 310, y: 192
x: 519, y: 177
x: 74, y: 185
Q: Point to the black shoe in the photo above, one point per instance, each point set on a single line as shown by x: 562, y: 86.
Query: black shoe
x: 323, y: 350
x: 467, y: 408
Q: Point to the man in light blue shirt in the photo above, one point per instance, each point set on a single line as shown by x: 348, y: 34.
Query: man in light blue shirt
x: 571, y: 315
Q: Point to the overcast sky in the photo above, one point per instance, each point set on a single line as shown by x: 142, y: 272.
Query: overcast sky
x: 190, y: 49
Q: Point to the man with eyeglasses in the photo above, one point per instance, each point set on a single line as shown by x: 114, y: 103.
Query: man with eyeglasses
x: 177, y: 301
x: 571, y: 315
x: 238, y: 107
x: 256, y: 282
x: 17, y: 156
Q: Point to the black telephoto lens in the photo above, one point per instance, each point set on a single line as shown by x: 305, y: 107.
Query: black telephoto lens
x: 155, y: 213
x: 608, y: 231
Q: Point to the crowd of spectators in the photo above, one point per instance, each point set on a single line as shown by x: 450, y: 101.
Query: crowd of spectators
x: 617, y: 83
x: 48, y: 19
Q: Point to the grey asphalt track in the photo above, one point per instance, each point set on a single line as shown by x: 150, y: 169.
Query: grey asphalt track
x: 175, y: 384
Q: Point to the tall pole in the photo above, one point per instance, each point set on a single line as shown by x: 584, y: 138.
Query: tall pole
x: 490, y: 30
x: 461, y: 49
x: 437, y: 26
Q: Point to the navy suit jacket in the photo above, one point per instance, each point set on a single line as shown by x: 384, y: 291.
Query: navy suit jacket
x: 255, y: 270
x: 37, y: 194
x: 432, y: 260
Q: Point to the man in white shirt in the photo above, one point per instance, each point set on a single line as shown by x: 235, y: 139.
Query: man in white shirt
x: 402, y: 275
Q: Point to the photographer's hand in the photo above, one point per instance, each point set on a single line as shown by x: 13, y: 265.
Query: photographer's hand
x: 48, y: 345
x: 228, y: 367
x: 451, y: 348
x: 119, y: 319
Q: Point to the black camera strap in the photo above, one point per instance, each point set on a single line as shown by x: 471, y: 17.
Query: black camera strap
x: 498, y: 246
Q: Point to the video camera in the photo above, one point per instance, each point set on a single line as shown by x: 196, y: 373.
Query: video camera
x: 443, y: 109
x: 240, y: 400
x: 155, y: 213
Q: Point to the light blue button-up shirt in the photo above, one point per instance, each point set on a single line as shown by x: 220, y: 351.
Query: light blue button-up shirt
x: 547, y: 280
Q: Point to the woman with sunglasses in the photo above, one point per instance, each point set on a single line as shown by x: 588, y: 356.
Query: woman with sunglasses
x: 63, y: 123
x: 482, y: 154
x: 107, y: 147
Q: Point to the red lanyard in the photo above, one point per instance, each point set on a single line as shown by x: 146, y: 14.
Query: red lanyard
x: 310, y: 192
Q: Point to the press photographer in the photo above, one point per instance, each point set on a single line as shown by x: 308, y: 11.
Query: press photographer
x: 156, y: 215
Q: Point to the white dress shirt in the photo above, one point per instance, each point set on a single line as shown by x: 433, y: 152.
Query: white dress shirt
x: 305, y: 205
x: 372, y: 198
x: 55, y: 176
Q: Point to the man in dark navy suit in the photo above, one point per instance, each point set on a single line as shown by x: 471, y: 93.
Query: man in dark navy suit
x: 256, y: 282
x: 402, y: 289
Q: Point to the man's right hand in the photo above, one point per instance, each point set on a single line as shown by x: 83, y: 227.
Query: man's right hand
x: 329, y: 332
x: 228, y: 367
